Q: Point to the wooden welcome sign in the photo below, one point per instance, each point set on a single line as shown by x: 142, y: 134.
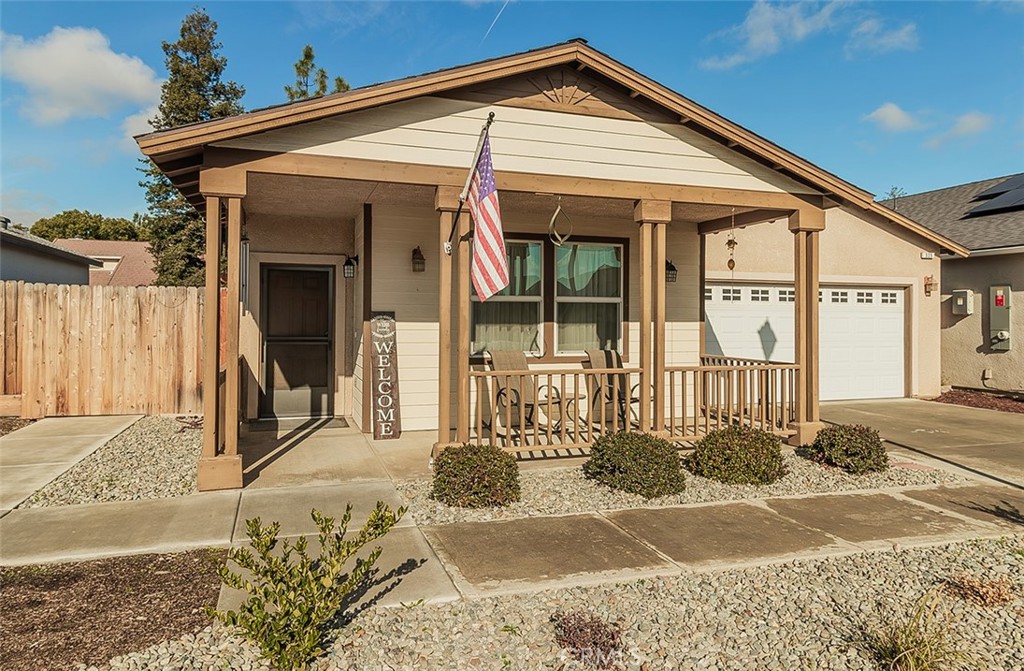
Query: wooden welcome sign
x: 387, y: 416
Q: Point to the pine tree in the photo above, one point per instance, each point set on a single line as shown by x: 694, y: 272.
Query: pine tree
x: 194, y: 91
x: 311, y: 81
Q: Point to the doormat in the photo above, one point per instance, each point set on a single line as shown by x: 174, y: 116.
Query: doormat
x: 298, y: 423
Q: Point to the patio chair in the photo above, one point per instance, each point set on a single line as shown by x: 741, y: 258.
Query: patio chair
x: 613, y: 391
x: 522, y: 405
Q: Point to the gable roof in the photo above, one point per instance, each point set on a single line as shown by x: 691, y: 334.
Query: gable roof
x: 135, y: 266
x: 19, y: 238
x: 178, y: 151
x: 952, y: 212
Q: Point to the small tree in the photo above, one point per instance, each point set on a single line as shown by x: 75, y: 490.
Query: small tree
x: 894, y: 194
x: 194, y: 91
x: 311, y: 81
x: 87, y: 226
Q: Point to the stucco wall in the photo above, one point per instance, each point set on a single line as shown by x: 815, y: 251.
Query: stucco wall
x: 19, y: 263
x: 297, y: 240
x: 856, y: 248
x: 965, y: 339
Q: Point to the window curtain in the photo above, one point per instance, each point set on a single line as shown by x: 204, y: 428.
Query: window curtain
x: 502, y: 325
x: 589, y: 271
x: 583, y: 326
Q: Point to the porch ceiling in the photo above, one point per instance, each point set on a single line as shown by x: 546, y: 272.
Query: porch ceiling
x: 325, y: 197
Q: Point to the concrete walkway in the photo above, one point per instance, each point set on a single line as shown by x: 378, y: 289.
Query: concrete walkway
x: 985, y: 442
x: 33, y: 456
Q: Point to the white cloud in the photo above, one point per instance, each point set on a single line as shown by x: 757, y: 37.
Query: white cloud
x: 72, y: 72
x: 767, y: 27
x: 965, y: 125
x: 136, y: 124
x: 893, y: 119
x: 871, y: 36
x: 26, y: 207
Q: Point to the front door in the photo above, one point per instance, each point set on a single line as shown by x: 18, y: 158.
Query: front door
x: 297, y: 328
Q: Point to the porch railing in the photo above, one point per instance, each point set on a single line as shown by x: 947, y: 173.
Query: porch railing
x: 570, y: 408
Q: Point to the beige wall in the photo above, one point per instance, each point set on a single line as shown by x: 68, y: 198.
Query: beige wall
x: 414, y: 296
x: 856, y: 249
x: 965, y: 350
x: 299, y: 241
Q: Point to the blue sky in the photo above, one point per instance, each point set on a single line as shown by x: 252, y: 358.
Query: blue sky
x: 916, y: 94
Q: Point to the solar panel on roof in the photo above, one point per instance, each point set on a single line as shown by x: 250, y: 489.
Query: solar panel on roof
x: 1011, y: 200
x: 1002, y: 187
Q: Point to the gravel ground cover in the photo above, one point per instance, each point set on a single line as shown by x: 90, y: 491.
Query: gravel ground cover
x: 154, y: 458
x: 57, y: 615
x: 979, y: 399
x: 806, y: 614
x: 12, y: 424
x: 561, y: 491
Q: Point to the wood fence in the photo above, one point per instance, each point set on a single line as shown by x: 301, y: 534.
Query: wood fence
x: 90, y: 350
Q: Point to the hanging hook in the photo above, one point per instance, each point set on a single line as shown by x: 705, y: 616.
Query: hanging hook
x: 557, y: 238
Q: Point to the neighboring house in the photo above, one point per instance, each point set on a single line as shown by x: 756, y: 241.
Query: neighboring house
x: 125, y: 263
x: 987, y: 217
x: 27, y: 257
x: 339, y: 207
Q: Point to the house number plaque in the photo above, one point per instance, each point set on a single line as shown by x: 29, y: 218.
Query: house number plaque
x: 387, y: 416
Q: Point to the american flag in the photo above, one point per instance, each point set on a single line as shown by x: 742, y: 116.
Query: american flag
x: 490, y: 266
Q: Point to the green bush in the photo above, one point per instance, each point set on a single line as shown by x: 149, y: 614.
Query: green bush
x: 739, y: 455
x: 293, y: 597
x: 637, y: 463
x: 475, y: 476
x: 851, y: 447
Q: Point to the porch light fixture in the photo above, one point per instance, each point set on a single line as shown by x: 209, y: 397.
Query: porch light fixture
x: 671, y: 274
x: 419, y: 262
x: 348, y: 269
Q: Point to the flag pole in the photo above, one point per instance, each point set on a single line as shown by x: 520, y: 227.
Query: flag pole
x: 469, y: 178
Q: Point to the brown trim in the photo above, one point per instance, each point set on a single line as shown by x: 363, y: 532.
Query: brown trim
x: 232, y: 372
x: 462, y: 347
x: 646, y: 299
x: 703, y: 268
x: 741, y: 219
x: 211, y: 331
x: 444, y: 321
x: 660, y: 289
x: 365, y: 269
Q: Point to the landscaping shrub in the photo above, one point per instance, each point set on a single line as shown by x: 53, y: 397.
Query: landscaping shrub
x: 851, y: 447
x: 739, y: 455
x: 475, y: 476
x: 922, y: 641
x: 588, y: 639
x: 293, y: 597
x: 637, y: 463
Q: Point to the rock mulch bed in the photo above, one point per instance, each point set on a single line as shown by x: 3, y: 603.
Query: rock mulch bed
x: 979, y: 399
x: 154, y: 458
x: 12, y: 424
x: 563, y: 491
x: 807, y: 614
x: 57, y: 615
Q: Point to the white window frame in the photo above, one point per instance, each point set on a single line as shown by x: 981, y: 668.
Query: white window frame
x: 538, y: 299
x: 787, y: 295
x: 619, y: 301
x: 759, y: 295
x: 732, y: 294
x: 866, y: 297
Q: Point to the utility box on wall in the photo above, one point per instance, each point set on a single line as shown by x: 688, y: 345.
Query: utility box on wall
x: 963, y: 302
x: 999, y: 317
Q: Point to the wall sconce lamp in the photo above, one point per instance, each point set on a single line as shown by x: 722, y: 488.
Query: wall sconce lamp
x: 419, y: 262
x: 348, y: 269
x: 671, y: 274
x: 930, y: 285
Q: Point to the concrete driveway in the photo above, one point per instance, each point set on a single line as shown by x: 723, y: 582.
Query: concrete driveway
x: 987, y: 442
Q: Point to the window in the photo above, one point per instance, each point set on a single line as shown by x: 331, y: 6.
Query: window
x: 759, y: 295
x: 888, y: 297
x: 109, y: 262
x: 865, y: 297
x: 787, y: 295
x: 840, y: 297
x: 730, y: 294
x: 583, y: 308
x: 820, y: 295
x: 511, y: 319
x: 708, y: 293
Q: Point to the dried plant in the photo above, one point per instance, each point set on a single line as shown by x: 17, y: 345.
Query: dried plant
x: 923, y: 641
x: 986, y: 593
x: 589, y: 639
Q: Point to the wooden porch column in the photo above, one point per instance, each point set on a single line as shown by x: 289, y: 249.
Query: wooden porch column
x: 446, y: 202
x: 462, y: 418
x: 648, y: 213
x: 220, y: 466
x: 806, y: 224
x: 660, y: 290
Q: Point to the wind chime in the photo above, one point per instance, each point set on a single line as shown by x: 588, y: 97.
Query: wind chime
x: 731, y: 244
x: 557, y: 238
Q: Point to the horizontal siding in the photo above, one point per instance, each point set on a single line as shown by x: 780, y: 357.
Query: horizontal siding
x: 440, y: 131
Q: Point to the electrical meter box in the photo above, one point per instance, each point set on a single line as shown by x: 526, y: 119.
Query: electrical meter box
x: 999, y: 317
x: 963, y: 302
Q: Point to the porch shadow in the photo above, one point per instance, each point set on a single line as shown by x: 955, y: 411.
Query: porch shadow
x: 257, y: 455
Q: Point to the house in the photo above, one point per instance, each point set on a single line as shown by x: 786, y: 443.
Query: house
x: 982, y: 295
x: 342, y: 300
x: 124, y: 263
x: 29, y: 258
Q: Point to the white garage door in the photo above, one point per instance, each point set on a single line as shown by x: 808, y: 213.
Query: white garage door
x: 861, y: 336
